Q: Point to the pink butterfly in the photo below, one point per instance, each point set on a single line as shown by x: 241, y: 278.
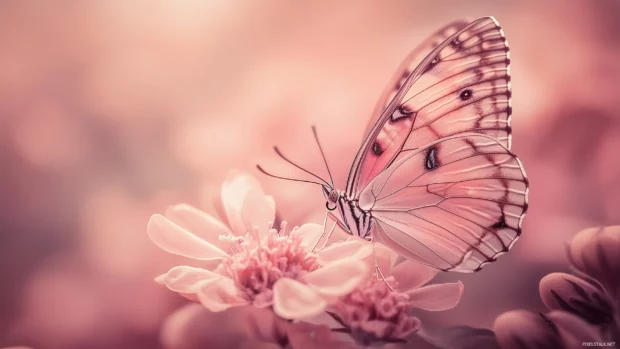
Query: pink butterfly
x: 434, y: 179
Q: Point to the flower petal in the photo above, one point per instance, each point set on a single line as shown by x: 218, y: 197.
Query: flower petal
x: 216, y: 201
x: 174, y: 239
x: 524, y: 329
x: 234, y: 189
x: 294, y: 300
x: 355, y: 248
x: 411, y: 275
x: 338, y: 278
x: 436, y: 297
x: 185, y: 279
x: 574, y: 330
x: 256, y: 211
x: 160, y: 279
x: 594, y: 252
x: 385, y: 258
x: 271, y: 202
x: 560, y: 291
x: 220, y: 294
x: 309, y: 233
x: 199, y: 223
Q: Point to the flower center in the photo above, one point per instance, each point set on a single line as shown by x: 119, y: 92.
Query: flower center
x: 257, y: 263
x: 374, y: 312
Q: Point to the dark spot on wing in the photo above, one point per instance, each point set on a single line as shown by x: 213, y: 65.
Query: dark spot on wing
x: 501, y: 223
x: 456, y: 43
x: 376, y: 148
x: 479, y: 74
x: 431, y: 161
x: 433, y: 63
x: 403, y: 112
x: 466, y: 94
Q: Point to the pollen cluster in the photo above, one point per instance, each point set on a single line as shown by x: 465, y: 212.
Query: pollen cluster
x: 377, y: 313
x: 257, y: 265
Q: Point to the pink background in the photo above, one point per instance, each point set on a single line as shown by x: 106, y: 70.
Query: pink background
x: 110, y: 111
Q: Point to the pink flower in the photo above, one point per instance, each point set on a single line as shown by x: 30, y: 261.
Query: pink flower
x: 255, y: 264
x: 376, y: 312
x: 594, y: 252
x: 593, y: 293
x: 561, y: 291
x: 529, y: 330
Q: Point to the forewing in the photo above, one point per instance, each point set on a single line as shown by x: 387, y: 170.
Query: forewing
x: 463, y: 86
x: 410, y: 62
x: 455, y: 204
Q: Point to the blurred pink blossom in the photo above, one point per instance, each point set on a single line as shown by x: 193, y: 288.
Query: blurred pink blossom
x: 379, y: 311
x: 584, y: 307
x: 521, y: 329
x: 265, y: 267
x: 595, y: 252
x: 593, y: 293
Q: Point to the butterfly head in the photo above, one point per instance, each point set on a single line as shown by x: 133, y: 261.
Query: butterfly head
x: 331, y: 196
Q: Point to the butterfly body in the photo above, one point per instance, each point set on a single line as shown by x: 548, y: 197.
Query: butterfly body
x: 351, y: 217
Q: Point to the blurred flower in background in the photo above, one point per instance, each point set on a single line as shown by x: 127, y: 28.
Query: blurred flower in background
x: 110, y: 111
x: 583, y: 309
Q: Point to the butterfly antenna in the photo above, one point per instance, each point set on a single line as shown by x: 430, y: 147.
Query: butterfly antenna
x: 285, y: 178
x: 316, y: 137
x: 299, y: 167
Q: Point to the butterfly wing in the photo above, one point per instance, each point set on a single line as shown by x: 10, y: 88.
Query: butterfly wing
x: 462, y: 86
x: 410, y: 62
x: 454, y: 204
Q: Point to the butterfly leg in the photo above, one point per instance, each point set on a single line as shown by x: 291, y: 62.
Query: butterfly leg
x: 322, y: 233
x: 329, y: 235
x: 378, y: 272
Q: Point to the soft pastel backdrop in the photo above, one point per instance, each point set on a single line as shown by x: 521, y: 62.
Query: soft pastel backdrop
x: 112, y: 110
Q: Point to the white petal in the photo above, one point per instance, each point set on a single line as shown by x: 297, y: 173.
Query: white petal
x: 309, y: 233
x: 199, y: 223
x: 187, y: 279
x: 256, y: 211
x: 294, y: 300
x: 160, y: 279
x: 220, y: 294
x: 174, y: 239
x: 234, y: 189
x: 355, y: 248
x: 411, y: 275
x: 271, y: 202
x: 338, y: 278
x: 436, y: 297
x: 385, y: 258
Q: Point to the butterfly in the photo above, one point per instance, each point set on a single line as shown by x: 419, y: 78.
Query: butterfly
x: 434, y: 179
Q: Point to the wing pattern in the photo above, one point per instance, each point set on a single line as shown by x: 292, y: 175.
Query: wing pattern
x: 410, y: 63
x: 462, y: 86
x: 454, y: 204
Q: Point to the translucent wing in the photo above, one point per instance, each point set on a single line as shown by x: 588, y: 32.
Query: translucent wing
x: 454, y: 204
x: 409, y: 64
x: 462, y: 86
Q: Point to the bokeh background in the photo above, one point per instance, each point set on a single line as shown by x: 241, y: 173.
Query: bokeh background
x: 112, y: 110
